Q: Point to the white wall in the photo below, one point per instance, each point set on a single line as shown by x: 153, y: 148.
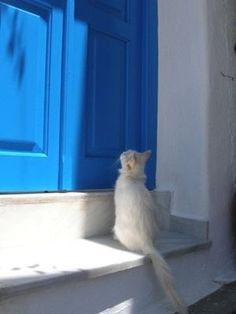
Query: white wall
x: 222, y: 124
x: 197, y: 114
x: 182, y: 105
x: 196, y: 130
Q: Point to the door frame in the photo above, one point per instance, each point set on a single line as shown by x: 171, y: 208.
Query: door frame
x: 150, y: 85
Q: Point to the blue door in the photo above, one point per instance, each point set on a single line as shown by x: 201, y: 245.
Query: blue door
x: 30, y: 88
x: 111, y: 90
x: 77, y: 87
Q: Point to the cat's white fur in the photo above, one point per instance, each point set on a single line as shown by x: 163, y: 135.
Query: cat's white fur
x: 135, y: 226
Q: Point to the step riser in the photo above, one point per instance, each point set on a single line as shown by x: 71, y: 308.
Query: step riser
x: 124, y: 292
x: 45, y: 218
x: 39, y: 218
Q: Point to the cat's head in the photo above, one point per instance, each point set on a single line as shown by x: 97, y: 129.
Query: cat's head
x: 133, y: 162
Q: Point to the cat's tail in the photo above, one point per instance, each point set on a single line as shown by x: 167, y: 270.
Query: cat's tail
x: 163, y: 273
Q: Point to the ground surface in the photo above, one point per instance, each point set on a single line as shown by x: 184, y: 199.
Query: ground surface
x: 222, y: 301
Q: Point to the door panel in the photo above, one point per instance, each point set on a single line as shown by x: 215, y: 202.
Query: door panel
x: 117, y: 8
x: 30, y: 58
x: 106, y: 97
x: 107, y: 91
x: 108, y: 107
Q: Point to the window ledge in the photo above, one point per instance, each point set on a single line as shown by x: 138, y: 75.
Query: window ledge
x: 31, y: 267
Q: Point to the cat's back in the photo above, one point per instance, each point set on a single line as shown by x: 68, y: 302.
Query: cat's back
x: 134, y: 209
x: 128, y: 186
x: 131, y: 193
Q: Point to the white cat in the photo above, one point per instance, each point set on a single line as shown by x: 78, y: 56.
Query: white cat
x: 135, y: 225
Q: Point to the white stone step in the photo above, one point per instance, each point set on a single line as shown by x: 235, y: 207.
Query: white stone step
x: 49, y: 266
x: 84, y: 276
x: 39, y: 218
x: 42, y: 217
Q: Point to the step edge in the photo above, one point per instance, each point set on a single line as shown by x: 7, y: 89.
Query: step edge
x: 13, y: 290
x: 187, y: 249
x: 58, y: 197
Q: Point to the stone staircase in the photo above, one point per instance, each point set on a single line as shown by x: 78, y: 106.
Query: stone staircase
x: 57, y: 256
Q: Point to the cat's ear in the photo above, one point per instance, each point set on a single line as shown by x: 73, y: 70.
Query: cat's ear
x: 147, y: 154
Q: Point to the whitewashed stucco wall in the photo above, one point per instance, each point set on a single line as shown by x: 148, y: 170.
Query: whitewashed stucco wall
x: 183, y: 95
x: 221, y: 125
x: 197, y: 112
x: 196, y: 104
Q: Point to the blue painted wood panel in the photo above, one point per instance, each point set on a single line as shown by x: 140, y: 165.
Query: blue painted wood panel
x: 105, y: 92
x: 106, y: 96
x: 77, y: 87
x: 30, y: 59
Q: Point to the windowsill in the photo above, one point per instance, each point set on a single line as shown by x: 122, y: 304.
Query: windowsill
x: 31, y: 267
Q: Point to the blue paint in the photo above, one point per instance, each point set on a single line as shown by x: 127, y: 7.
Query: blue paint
x: 113, y: 90
x: 149, y: 86
x: 30, y: 77
x: 78, y: 86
